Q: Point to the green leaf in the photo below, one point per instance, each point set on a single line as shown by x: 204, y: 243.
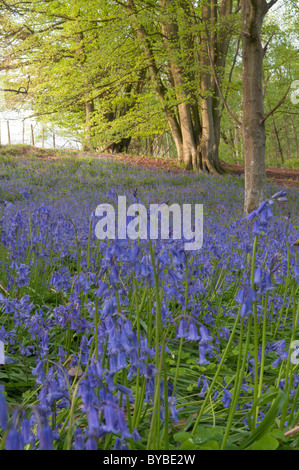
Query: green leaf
x: 278, y: 433
x: 181, y: 436
x: 267, y: 442
x: 269, y: 418
x: 188, y: 445
x: 210, y: 445
x: 207, y: 432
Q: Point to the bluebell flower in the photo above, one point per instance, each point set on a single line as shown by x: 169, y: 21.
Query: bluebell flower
x: 14, y: 440
x: 93, y: 420
x: 192, y: 332
x: 46, y: 438
x: 79, y: 441
x: 3, y: 411
x: 226, y: 400
x: 91, y: 444
x: 26, y: 194
x: 204, y: 383
x: 173, y: 410
x: 182, y: 328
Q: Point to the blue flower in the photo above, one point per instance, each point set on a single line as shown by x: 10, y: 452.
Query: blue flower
x: 3, y: 412
x: 46, y: 438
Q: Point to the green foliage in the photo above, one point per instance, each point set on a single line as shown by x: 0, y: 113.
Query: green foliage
x: 90, y: 75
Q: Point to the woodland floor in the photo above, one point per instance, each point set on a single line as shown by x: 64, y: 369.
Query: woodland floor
x: 285, y: 177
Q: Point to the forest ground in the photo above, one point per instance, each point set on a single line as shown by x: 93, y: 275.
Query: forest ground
x: 285, y: 177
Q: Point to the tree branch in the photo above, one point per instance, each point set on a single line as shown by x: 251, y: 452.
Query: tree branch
x: 275, y: 107
x: 265, y: 86
x: 267, y: 44
x: 232, y: 68
x: 270, y: 4
x: 21, y: 90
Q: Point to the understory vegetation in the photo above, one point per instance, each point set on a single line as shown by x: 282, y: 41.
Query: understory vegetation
x: 126, y: 344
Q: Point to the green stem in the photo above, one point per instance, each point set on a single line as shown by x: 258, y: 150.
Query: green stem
x: 239, y: 380
x: 209, y: 391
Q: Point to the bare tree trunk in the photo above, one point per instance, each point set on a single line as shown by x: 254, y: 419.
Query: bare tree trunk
x: 32, y: 136
x: 231, y: 141
x: 275, y: 142
x: 295, y: 136
x: 212, y: 53
x: 171, y: 38
x: 253, y: 13
x: 8, y: 133
x: 158, y: 85
x: 286, y: 129
x: 168, y: 145
x: 278, y: 141
x: 89, y: 110
x: 208, y: 144
x: 237, y: 144
x: 221, y: 41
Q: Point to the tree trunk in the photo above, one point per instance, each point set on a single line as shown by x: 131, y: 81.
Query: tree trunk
x: 171, y: 38
x: 158, y: 85
x: 286, y: 129
x: 8, y: 133
x: 253, y: 13
x: 278, y: 141
x: 89, y: 110
x: 118, y: 147
x: 208, y: 144
x: 295, y: 136
x: 221, y: 45
x: 214, y: 52
x: 275, y: 142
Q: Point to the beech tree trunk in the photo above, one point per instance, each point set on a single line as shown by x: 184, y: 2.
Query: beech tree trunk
x: 157, y: 83
x: 278, y: 141
x: 253, y: 13
x: 196, y: 142
x: 214, y: 52
x: 171, y: 38
x: 89, y: 110
x: 287, y: 137
x: 295, y: 136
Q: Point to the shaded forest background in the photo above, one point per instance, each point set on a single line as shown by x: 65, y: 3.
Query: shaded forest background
x: 120, y: 76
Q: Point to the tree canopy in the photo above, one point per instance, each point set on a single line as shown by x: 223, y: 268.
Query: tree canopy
x: 115, y: 71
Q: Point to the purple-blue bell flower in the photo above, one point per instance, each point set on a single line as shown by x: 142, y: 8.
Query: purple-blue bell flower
x: 3, y: 412
x: 14, y: 440
x: 46, y: 438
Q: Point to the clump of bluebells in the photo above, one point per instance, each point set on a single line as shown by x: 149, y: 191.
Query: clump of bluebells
x: 119, y: 343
